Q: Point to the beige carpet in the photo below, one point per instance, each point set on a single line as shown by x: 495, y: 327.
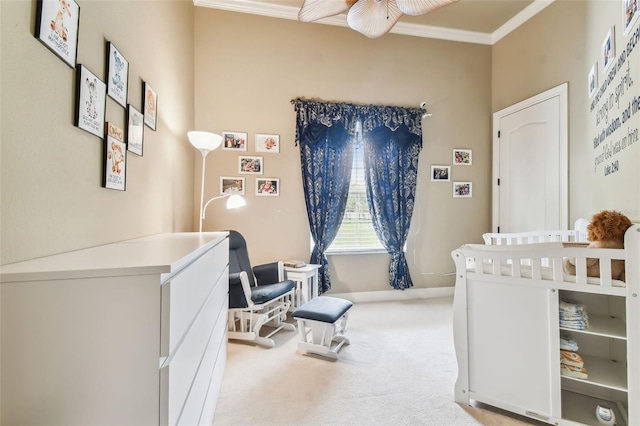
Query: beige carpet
x: 399, y: 369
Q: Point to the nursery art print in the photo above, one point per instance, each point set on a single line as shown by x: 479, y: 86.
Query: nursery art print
x: 608, y: 51
x: 135, y: 130
x: 268, y: 187
x: 115, y: 159
x: 231, y: 185
x: 57, y: 23
x: 267, y: 143
x: 250, y: 165
x: 117, y: 75
x: 593, y: 79
x: 90, y: 101
x: 234, y: 141
x: 150, y: 100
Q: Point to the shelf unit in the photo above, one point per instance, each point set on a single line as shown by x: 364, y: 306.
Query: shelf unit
x: 603, y: 347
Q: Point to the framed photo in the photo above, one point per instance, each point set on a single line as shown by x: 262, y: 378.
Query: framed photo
x: 135, y: 130
x: 57, y: 23
x: 234, y: 141
x: 461, y: 157
x: 250, y: 165
x: 150, y: 102
x: 268, y: 187
x: 91, y: 98
x: 115, y: 159
x: 462, y: 189
x: 441, y: 173
x: 267, y: 143
x: 608, y: 50
x: 630, y: 11
x: 117, y: 75
x: 593, y: 79
x: 231, y: 185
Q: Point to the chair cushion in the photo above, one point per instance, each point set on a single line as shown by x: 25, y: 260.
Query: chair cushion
x: 323, y: 308
x: 265, y: 293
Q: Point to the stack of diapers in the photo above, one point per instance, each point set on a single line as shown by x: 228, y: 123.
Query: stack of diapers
x: 573, y: 315
x: 571, y: 363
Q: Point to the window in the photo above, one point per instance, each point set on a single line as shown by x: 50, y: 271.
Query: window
x: 356, y: 232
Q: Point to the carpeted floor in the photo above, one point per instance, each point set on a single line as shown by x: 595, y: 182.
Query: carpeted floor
x: 399, y: 369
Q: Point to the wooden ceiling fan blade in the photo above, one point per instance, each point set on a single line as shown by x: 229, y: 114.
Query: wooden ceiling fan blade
x: 312, y: 10
x: 421, y: 7
x: 373, y: 18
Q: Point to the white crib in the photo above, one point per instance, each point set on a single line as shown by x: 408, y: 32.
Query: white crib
x: 507, y: 333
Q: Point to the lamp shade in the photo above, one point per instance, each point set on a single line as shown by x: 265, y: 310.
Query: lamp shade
x: 204, y: 141
x: 235, y: 201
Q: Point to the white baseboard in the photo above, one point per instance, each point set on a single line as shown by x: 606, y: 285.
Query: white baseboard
x: 389, y: 295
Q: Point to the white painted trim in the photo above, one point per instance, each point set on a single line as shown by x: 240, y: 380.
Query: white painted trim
x: 561, y: 92
x: 389, y: 295
x: 522, y: 17
x: 404, y: 28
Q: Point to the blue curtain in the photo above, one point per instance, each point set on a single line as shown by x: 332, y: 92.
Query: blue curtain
x: 391, y: 175
x: 326, y: 133
x: 326, y: 156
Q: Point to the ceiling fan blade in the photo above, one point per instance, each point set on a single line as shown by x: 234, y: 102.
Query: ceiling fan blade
x: 373, y: 18
x: 312, y: 10
x: 421, y: 7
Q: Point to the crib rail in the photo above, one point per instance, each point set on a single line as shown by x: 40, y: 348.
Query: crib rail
x: 532, y: 237
x: 539, y: 261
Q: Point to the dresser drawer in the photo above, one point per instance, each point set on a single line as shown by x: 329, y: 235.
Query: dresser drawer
x: 213, y: 362
x: 180, y: 370
x: 185, y: 294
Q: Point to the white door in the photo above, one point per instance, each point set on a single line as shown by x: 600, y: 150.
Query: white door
x: 530, y: 164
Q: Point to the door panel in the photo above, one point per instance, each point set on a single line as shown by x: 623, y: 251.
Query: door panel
x: 530, y: 164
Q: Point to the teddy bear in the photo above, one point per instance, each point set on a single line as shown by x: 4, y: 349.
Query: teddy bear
x: 606, y: 230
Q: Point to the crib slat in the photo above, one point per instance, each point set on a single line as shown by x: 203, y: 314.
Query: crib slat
x: 605, y: 272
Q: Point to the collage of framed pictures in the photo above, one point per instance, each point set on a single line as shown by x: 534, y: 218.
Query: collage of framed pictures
x: 57, y: 28
x: 251, y: 164
x: 442, y: 173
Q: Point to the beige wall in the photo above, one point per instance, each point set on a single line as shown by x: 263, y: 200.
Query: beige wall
x: 51, y: 195
x: 248, y: 68
x: 559, y: 45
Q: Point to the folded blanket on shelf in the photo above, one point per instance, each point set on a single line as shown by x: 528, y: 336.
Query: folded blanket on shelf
x: 567, y: 342
x: 571, y: 358
x: 571, y: 371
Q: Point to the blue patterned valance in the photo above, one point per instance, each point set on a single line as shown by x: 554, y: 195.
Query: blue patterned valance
x: 355, y: 118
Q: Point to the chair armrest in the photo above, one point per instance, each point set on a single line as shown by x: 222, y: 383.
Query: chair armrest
x: 269, y: 273
x: 239, y: 290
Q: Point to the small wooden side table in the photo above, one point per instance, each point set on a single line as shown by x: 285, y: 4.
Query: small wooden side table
x: 306, y: 279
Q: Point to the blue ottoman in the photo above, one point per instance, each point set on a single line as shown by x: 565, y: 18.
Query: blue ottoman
x: 321, y: 323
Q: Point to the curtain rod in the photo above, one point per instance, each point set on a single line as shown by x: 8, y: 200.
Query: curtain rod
x: 422, y: 106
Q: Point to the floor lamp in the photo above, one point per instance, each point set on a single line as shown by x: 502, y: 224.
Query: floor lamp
x: 206, y: 142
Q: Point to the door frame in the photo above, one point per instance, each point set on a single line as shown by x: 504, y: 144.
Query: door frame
x: 561, y: 92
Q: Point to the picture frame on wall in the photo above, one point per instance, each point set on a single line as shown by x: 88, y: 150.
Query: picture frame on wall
x: 234, y: 141
x: 462, y: 190
x: 115, y: 159
x: 91, y: 98
x: 250, y: 165
x: 630, y: 14
x: 117, y: 75
x: 441, y: 173
x: 135, y: 130
x: 267, y: 143
x: 57, y: 24
x: 462, y: 157
x: 232, y: 185
x: 150, y: 108
x: 608, y: 50
x: 593, y: 79
x: 268, y: 187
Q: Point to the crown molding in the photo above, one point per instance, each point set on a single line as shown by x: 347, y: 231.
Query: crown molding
x: 404, y: 28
